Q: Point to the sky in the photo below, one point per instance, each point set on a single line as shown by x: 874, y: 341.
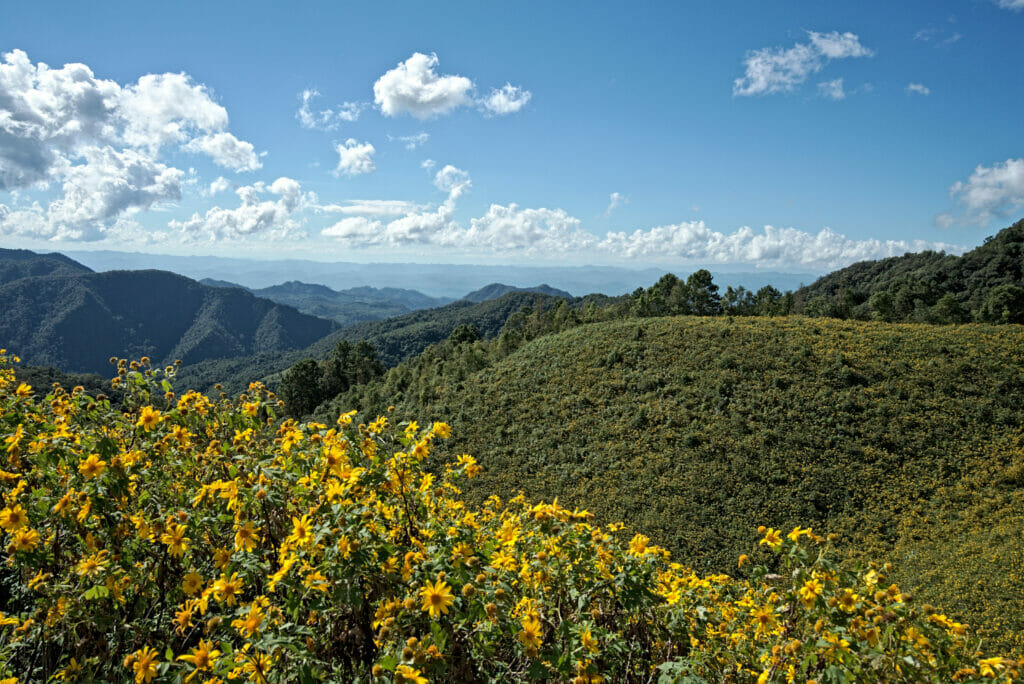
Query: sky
x: 791, y: 136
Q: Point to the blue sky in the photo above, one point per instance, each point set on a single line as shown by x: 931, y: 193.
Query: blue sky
x: 788, y: 135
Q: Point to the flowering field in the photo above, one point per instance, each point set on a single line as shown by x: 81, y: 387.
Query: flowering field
x: 179, y: 539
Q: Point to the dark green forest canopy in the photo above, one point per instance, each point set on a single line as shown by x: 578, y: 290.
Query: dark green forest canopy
x: 986, y: 284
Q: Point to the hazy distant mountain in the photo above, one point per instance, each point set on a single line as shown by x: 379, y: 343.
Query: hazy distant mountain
x: 495, y: 290
x: 437, y: 280
x: 74, y: 319
x: 346, y: 307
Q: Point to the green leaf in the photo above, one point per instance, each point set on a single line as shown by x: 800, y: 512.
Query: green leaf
x: 388, y: 662
x: 97, y: 592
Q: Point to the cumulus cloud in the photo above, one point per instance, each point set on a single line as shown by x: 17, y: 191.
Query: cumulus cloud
x: 354, y: 158
x: 833, y: 90
x: 216, y: 187
x: 614, y: 201
x: 226, y: 150
x: 508, y: 99
x: 110, y: 183
x: 452, y: 180
x: 101, y: 143
x: 918, y: 89
x: 511, y: 228
x: 1015, y: 5
x: 990, y: 191
x: 414, y: 87
x: 772, y: 247
x: 326, y: 119
x: 255, y: 215
x: 163, y: 109
x: 781, y: 70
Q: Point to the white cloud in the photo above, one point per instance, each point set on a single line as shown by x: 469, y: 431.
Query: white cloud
x: 918, y: 89
x: 506, y: 100
x: 1015, y: 5
x: 832, y: 90
x: 510, y: 228
x: 835, y: 45
x: 163, y: 109
x: 414, y: 87
x: 354, y: 158
x: 216, y: 187
x: 418, y: 225
x: 413, y: 141
x: 109, y: 184
x: 226, y: 150
x: 452, y: 180
x: 996, y: 190
x: 773, y: 247
x: 427, y: 164
x: 357, y: 227
x: 268, y: 218
x: 326, y: 119
x: 101, y: 143
x: 378, y: 208
x: 614, y: 201
x: 778, y: 70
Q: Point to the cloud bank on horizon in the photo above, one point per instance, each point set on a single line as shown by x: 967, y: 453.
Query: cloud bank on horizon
x: 85, y: 159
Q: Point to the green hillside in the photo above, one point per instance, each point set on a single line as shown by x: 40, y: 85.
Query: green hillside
x: 899, y: 437
x: 495, y: 290
x: 75, y: 322
x: 986, y: 285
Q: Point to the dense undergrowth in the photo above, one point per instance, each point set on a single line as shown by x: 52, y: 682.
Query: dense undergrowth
x: 180, y: 539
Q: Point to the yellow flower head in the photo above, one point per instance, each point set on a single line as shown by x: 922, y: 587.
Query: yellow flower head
x: 144, y: 664
x: 531, y: 634
x: 406, y: 674
x: 13, y: 517
x: 24, y: 539
x: 149, y: 418
x: 92, y: 466
x: 772, y: 539
x: 436, y: 597
x: 203, y: 657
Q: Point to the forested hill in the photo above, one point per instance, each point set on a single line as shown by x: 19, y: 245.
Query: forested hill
x: 394, y: 340
x: 905, y: 439
x: 495, y: 290
x: 76, y: 321
x: 986, y: 285
x: 22, y: 263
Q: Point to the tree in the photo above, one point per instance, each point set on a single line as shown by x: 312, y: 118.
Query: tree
x: 703, y: 294
x: 301, y: 388
x: 1004, y: 304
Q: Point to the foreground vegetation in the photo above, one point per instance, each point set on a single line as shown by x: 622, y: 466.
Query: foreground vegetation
x: 899, y: 437
x: 184, y: 539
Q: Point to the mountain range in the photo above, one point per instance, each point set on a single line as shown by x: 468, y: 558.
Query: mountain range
x: 58, y: 312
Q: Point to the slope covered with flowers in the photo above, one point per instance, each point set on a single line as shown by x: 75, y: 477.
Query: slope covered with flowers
x: 179, y: 539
